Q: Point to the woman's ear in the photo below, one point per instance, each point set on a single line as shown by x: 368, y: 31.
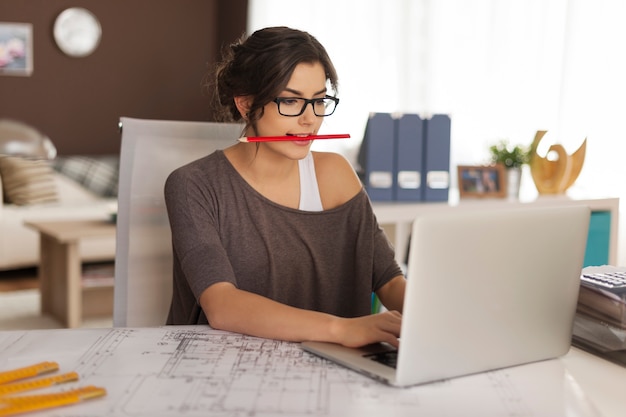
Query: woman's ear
x: 243, y: 104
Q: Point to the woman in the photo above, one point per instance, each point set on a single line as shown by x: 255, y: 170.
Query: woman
x: 271, y: 239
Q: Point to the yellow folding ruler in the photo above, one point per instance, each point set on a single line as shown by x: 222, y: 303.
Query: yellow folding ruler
x: 19, y: 380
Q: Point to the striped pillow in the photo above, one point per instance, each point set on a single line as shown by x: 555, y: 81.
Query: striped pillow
x: 27, y: 181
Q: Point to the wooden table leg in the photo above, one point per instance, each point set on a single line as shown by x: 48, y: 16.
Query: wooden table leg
x: 60, y: 280
x: 46, y: 258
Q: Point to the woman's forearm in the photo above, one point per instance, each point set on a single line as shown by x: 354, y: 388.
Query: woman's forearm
x: 228, y: 308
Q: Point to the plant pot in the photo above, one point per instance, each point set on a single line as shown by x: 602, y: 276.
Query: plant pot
x: 513, y: 182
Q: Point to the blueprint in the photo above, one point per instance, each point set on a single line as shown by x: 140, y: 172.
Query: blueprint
x: 197, y: 371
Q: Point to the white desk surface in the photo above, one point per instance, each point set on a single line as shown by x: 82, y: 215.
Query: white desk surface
x: 196, y: 371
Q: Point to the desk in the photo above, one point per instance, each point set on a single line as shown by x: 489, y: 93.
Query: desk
x: 196, y: 371
x: 400, y: 215
x: 62, y: 292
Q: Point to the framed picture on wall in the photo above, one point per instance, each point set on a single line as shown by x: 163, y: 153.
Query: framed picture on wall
x: 482, y: 181
x: 16, y: 49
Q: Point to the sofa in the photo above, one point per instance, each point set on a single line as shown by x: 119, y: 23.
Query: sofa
x: 68, y: 188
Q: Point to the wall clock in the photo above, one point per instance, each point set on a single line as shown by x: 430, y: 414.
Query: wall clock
x: 77, y: 32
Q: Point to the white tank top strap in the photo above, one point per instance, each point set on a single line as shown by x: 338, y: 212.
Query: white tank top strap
x: 310, y: 199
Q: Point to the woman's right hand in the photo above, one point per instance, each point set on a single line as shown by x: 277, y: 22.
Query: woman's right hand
x: 365, y: 330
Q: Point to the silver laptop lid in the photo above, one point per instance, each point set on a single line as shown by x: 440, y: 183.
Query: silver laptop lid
x: 490, y: 289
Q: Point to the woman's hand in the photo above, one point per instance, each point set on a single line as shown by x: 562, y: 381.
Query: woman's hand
x: 361, y: 331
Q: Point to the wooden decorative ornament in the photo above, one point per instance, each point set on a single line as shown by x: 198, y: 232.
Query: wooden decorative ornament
x: 554, y: 176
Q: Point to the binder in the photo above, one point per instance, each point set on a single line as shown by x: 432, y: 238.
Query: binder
x: 436, y: 169
x: 409, y: 158
x: 376, y: 157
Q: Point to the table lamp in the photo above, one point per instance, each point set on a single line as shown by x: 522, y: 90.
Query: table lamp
x: 21, y: 140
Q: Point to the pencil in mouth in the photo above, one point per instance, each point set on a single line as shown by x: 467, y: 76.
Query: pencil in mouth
x: 292, y: 138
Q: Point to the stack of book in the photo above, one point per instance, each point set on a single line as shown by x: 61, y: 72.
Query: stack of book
x: 600, y: 324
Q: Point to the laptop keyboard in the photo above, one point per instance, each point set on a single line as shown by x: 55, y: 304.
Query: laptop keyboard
x: 389, y: 358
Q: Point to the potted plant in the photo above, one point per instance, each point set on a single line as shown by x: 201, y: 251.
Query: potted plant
x: 513, y: 157
x: 509, y: 156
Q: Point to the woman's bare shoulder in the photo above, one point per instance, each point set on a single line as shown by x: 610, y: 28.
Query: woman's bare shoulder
x: 336, y: 179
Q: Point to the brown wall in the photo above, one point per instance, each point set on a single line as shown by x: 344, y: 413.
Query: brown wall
x: 149, y: 64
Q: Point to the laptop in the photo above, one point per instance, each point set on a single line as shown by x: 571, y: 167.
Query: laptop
x: 486, y: 289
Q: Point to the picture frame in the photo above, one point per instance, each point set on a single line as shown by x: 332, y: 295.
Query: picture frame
x: 482, y: 181
x: 16, y: 49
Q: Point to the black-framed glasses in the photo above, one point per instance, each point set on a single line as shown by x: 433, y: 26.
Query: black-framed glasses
x: 295, y: 106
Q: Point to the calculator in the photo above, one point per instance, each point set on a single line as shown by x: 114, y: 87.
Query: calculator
x: 614, y: 282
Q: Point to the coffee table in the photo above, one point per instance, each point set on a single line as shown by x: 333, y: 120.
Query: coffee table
x: 63, y: 294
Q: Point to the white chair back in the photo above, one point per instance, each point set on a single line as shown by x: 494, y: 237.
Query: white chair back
x: 150, y: 151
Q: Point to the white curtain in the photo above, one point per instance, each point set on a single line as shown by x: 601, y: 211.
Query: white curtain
x: 502, y: 69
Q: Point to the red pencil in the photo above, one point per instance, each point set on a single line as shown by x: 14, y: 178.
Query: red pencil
x: 292, y: 138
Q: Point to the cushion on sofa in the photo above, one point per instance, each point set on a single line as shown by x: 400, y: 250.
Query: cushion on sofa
x: 27, y: 181
x: 99, y: 174
x: 71, y: 192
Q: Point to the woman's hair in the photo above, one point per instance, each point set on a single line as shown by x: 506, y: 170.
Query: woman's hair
x: 260, y: 66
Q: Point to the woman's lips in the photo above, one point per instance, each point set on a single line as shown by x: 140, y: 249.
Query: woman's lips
x: 301, y: 139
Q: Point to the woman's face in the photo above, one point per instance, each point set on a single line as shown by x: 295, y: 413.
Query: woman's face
x: 307, y: 81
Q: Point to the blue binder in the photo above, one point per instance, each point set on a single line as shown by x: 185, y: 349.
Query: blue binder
x: 409, y: 158
x: 376, y: 157
x: 436, y: 170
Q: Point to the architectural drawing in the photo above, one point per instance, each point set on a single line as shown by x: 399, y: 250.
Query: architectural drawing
x: 196, y: 371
